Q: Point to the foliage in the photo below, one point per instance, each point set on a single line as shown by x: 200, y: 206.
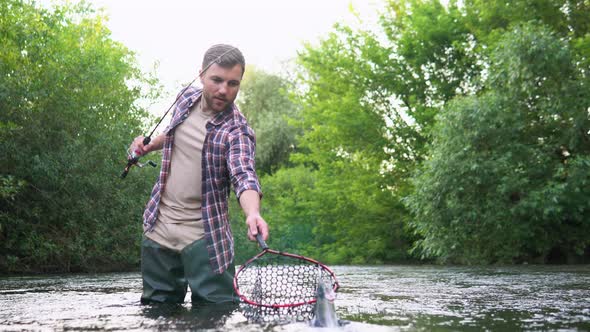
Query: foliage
x: 67, y: 112
x: 336, y: 203
x: 370, y: 101
x: 507, y: 178
x: 264, y: 101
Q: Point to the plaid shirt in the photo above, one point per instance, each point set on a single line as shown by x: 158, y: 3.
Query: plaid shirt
x: 228, y: 155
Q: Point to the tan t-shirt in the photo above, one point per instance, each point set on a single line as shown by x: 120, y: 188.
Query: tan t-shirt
x: 179, y: 216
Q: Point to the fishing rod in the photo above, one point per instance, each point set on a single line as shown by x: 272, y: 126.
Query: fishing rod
x: 132, y: 156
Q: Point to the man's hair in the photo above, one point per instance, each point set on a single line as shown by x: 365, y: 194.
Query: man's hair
x: 226, y: 56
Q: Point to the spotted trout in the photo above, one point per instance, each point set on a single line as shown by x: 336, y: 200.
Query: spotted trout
x: 325, y: 311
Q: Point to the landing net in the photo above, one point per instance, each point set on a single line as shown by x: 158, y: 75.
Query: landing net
x: 276, y: 287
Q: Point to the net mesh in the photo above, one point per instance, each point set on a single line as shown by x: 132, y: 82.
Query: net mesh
x: 277, y: 288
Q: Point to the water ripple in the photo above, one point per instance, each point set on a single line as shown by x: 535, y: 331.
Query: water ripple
x: 371, y: 298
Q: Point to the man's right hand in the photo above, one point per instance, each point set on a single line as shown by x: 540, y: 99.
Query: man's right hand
x: 138, y: 148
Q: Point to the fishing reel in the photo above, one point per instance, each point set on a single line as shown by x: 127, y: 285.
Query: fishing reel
x: 133, y: 159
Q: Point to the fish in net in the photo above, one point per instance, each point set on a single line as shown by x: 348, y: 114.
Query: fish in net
x: 279, y: 287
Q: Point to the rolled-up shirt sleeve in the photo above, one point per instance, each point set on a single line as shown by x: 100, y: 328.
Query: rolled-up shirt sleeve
x: 241, y: 161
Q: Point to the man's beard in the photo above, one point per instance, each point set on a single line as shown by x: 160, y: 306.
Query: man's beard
x: 215, y: 104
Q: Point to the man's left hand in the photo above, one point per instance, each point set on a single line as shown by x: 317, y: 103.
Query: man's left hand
x: 256, y: 225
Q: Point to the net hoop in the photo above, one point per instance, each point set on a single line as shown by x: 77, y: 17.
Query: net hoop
x: 267, y: 251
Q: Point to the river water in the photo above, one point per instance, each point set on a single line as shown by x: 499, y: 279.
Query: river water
x: 376, y: 298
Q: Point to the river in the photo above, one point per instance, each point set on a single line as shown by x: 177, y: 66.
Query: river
x: 371, y: 298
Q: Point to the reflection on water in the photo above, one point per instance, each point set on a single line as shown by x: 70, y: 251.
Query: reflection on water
x: 390, y: 298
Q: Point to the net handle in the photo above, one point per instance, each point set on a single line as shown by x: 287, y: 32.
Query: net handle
x: 261, y: 242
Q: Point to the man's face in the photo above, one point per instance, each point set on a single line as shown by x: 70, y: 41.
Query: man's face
x: 221, y: 86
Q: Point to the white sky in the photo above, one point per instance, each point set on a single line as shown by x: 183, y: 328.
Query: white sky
x: 176, y: 33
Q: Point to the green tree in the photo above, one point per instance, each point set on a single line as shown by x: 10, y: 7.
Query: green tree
x: 343, y: 209
x: 370, y: 101
x: 266, y: 104
x: 67, y: 113
x: 507, y: 180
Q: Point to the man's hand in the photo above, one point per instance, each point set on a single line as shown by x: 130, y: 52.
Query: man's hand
x: 139, y: 149
x: 256, y: 225
x: 137, y: 146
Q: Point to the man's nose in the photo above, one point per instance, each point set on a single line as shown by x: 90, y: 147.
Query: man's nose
x: 223, y: 88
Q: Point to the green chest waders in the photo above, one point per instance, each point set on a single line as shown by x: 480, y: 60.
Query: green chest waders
x: 167, y: 273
